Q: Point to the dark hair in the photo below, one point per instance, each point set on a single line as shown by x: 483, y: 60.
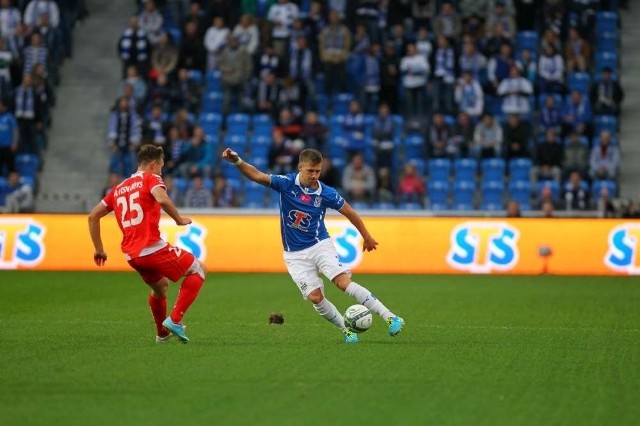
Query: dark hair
x: 311, y: 156
x: 149, y: 153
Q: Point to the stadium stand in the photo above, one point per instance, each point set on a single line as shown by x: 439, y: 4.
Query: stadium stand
x: 344, y: 63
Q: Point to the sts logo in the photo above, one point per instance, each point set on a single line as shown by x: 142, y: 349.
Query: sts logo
x: 481, y: 247
x: 347, y: 241
x: 21, y: 243
x: 622, y: 255
x: 189, y: 237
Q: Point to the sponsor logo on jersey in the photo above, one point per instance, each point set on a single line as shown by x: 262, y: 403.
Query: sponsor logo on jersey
x: 622, y: 253
x: 347, y: 241
x: 190, y: 238
x: 299, y: 220
x: 21, y: 243
x: 305, y: 198
x: 482, y: 247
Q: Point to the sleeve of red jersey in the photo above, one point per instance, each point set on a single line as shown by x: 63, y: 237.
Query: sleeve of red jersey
x: 107, y: 201
x: 153, y: 181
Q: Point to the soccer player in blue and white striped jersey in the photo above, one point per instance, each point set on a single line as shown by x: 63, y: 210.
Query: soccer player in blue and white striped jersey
x: 308, y: 249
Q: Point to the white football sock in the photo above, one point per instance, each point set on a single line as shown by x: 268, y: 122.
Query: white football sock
x: 366, y: 298
x: 329, y: 311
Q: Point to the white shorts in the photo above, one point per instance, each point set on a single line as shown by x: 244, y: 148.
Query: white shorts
x: 305, y: 265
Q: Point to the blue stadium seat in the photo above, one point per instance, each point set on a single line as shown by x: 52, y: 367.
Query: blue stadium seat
x: 27, y: 164
x: 383, y: 206
x: 438, y: 194
x: 212, y: 102
x: 213, y: 80
x: 238, y: 124
x: 175, y: 34
x: 254, y: 195
x: 237, y: 143
x: 211, y: 123
x: 527, y: 40
x: 181, y: 184
x: 597, y: 186
x: 493, y: 169
x: 606, y: 21
x: 465, y: 169
x: 274, y: 201
x: 409, y: 206
x: 360, y: 205
x: 336, y: 125
x: 519, y: 169
x: 607, y: 41
x: 555, y: 188
x: 336, y: 147
x: 580, y: 81
x: 260, y: 163
x: 606, y: 59
x: 439, y: 169
x: 492, y: 195
x: 464, y: 194
x: 520, y: 191
x: 607, y: 123
x: 262, y: 125
x: 340, y: 103
x: 259, y: 146
x: 414, y: 146
x: 398, y: 120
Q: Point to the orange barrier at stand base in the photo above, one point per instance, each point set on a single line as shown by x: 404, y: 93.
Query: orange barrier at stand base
x: 408, y: 245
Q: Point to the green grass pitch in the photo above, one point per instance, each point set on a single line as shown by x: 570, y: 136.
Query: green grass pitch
x: 79, y: 349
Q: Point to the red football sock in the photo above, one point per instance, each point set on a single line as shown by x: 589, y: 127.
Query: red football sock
x: 187, y: 294
x: 158, y: 307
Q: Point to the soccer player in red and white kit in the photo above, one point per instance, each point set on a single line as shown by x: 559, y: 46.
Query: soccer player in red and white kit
x: 136, y: 203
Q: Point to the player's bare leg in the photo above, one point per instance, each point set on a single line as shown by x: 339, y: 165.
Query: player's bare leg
x: 366, y: 298
x: 328, y: 311
x: 158, y: 305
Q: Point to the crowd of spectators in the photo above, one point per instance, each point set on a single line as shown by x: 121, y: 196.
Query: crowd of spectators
x: 415, y: 103
x: 35, y: 40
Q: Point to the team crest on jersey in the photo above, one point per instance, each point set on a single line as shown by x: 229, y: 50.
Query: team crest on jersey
x: 190, y: 238
x: 482, y: 247
x: 317, y: 201
x: 299, y: 220
x: 347, y: 241
x: 622, y: 254
x: 21, y: 243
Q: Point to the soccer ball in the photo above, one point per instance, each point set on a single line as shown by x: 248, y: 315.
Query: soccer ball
x: 358, y: 318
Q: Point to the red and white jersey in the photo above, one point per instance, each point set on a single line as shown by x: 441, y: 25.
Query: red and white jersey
x: 137, y: 213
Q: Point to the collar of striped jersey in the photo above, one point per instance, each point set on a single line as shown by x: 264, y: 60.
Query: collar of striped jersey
x: 306, y: 190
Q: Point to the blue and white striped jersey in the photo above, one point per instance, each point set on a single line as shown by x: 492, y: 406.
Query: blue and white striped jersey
x: 302, y: 211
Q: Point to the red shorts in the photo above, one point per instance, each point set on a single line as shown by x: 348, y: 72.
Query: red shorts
x: 171, y: 262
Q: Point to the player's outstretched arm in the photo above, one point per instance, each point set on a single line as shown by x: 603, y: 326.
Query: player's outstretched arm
x: 369, y: 243
x: 161, y: 196
x: 245, y: 168
x: 97, y: 213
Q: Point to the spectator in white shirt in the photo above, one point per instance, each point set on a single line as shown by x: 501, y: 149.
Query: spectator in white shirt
x: 247, y: 34
x: 215, y: 40
x: 281, y: 16
x: 515, y: 91
x: 487, y: 138
x: 415, y: 72
x: 35, y: 8
x: 152, y: 22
